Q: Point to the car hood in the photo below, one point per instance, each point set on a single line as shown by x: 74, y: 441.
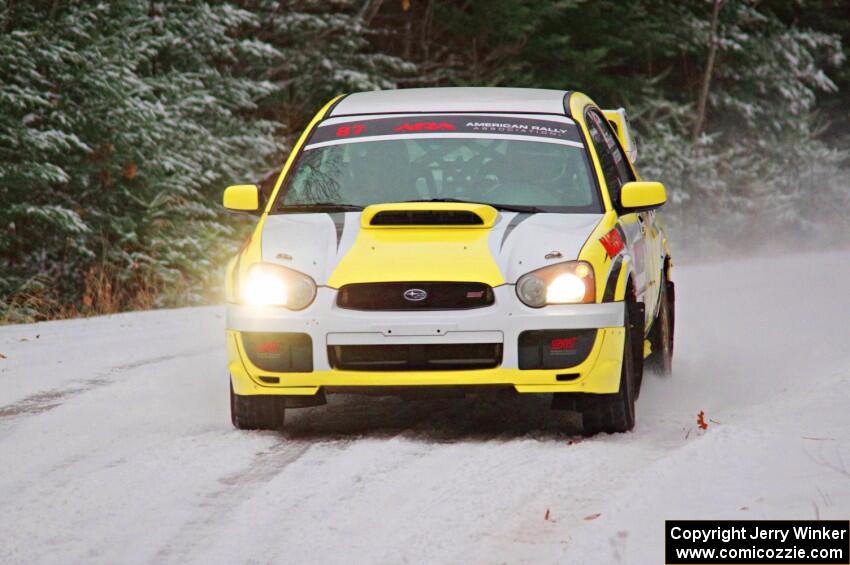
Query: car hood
x: 335, y: 249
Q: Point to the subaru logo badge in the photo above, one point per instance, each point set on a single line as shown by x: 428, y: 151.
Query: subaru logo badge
x: 415, y: 294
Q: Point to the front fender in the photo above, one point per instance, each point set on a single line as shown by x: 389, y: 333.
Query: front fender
x: 618, y: 277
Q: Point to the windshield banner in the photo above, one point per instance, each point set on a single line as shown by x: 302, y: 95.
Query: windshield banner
x: 452, y: 125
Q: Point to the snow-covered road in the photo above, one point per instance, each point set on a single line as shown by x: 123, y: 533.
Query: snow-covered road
x: 115, y: 444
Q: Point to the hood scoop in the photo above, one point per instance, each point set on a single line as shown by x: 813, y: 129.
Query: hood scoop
x: 428, y: 215
x: 426, y: 218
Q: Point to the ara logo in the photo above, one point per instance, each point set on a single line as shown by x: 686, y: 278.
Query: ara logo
x: 415, y: 294
x: 425, y: 126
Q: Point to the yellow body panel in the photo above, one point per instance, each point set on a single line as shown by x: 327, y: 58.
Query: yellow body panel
x: 599, y: 373
x: 418, y: 254
x: 594, y: 253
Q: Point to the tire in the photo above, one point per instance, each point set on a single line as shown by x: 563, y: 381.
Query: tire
x: 610, y: 413
x: 661, y: 335
x: 260, y: 412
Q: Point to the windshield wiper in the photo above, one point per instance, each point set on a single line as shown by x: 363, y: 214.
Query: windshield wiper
x: 505, y: 207
x: 318, y: 207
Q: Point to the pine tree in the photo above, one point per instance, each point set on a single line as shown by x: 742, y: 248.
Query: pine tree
x: 121, y: 121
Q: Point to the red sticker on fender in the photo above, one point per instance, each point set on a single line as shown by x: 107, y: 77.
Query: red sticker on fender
x: 612, y: 242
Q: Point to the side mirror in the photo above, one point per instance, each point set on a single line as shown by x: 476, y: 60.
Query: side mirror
x: 642, y: 196
x: 242, y: 198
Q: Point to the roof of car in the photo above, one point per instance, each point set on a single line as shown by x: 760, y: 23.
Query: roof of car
x: 453, y: 99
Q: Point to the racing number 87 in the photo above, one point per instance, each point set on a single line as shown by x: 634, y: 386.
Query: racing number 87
x: 345, y: 131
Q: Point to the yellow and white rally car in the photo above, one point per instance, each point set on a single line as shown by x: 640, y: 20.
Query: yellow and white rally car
x: 463, y: 238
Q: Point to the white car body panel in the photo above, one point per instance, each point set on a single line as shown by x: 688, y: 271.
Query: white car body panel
x: 315, y: 243
x: 453, y: 99
x: 328, y: 324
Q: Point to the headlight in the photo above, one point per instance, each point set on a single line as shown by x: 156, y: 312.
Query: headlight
x: 272, y: 285
x: 564, y: 283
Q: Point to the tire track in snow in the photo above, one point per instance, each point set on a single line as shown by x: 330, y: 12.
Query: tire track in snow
x: 447, y: 420
x: 215, y: 511
x: 50, y: 399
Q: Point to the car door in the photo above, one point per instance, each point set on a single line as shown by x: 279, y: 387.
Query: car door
x: 638, y: 228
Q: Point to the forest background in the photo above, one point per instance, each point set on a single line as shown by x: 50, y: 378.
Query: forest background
x: 122, y: 121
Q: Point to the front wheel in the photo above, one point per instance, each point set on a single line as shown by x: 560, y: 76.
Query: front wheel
x: 611, y: 413
x: 661, y: 335
x: 258, y: 412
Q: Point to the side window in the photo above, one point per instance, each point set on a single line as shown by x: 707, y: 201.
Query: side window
x: 615, y: 167
x: 620, y: 158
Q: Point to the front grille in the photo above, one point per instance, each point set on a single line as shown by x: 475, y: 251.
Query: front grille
x: 415, y: 357
x: 426, y: 218
x: 415, y: 296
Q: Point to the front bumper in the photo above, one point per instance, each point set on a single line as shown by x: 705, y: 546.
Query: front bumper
x: 329, y: 325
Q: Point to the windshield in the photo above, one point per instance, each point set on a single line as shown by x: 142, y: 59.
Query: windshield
x: 498, y: 160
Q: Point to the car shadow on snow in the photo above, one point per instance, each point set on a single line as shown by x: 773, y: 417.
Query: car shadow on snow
x: 471, y: 418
